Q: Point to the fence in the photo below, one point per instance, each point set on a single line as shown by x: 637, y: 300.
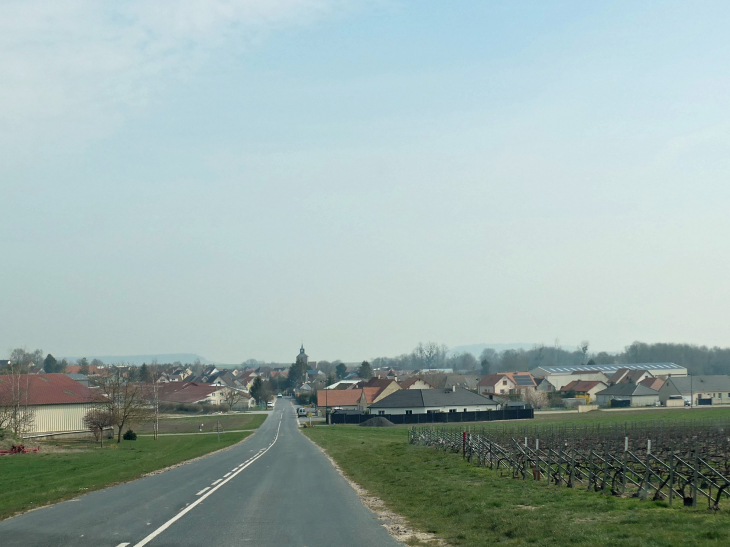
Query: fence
x: 438, y: 417
x: 688, y: 461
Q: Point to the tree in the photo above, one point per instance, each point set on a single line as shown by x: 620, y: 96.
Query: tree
x: 297, y: 373
x: 49, y: 364
x: 23, y: 359
x: 97, y: 420
x: 365, y: 371
x: 330, y: 379
x: 144, y: 373
x: 232, y: 397
x: 583, y: 348
x: 538, y: 399
x: 62, y: 364
x: 153, y: 393
x: 485, y: 367
x: 126, y: 401
x: 341, y: 370
x: 260, y: 391
x: 14, y: 393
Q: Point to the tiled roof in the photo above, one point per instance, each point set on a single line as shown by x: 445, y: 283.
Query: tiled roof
x: 345, y: 397
x: 491, y: 379
x: 48, y: 389
x: 581, y: 386
x: 653, y: 383
x: 179, y: 392
x: 627, y: 390
x: 408, y: 382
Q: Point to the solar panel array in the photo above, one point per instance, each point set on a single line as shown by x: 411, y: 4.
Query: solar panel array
x: 523, y: 380
x: 610, y: 368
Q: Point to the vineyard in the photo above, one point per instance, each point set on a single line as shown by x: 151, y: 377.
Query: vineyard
x: 675, y: 462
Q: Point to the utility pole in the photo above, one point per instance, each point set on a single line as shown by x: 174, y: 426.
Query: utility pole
x: 218, y: 428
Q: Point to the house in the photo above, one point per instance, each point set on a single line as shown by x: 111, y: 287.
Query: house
x: 505, y: 383
x: 384, y: 386
x: 661, y: 370
x: 583, y: 387
x: 653, y: 383
x: 57, y: 403
x: 701, y: 390
x: 558, y: 381
x: 347, y: 399
x: 627, y: 395
x: 199, y: 393
x: 423, y: 401
x: 414, y: 382
x: 500, y: 384
x: 626, y: 375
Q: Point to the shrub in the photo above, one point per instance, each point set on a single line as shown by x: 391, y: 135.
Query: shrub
x: 130, y: 435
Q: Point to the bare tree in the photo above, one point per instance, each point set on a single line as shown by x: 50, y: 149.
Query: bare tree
x: 583, y: 347
x: 97, y: 420
x: 15, y: 413
x: 126, y: 401
x: 232, y: 397
x: 538, y: 399
x: 153, y: 392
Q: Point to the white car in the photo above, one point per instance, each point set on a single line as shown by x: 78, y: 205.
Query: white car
x: 270, y: 404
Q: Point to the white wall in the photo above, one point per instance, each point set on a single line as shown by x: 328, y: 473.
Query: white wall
x: 56, y: 418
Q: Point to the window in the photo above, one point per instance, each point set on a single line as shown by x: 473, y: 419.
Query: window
x: 381, y: 412
x: 409, y: 412
x: 504, y: 382
x: 452, y: 410
x: 464, y: 410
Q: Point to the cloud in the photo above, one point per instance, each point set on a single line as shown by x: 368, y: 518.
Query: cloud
x: 88, y: 63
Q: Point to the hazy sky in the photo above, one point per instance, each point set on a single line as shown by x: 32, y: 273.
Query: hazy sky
x: 232, y: 178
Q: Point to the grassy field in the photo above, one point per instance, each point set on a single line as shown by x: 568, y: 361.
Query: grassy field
x: 229, y: 422
x: 614, y: 416
x: 467, y: 505
x: 79, y: 466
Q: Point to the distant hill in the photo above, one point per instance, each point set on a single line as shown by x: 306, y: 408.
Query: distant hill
x: 184, y: 358
x: 476, y: 349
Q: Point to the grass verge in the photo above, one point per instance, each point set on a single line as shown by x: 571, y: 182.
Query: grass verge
x: 466, y: 505
x: 79, y: 466
x: 228, y: 422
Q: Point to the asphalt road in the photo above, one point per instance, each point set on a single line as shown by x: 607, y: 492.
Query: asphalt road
x: 274, y: 489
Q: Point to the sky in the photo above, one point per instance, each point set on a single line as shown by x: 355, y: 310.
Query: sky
x: 235, y: 177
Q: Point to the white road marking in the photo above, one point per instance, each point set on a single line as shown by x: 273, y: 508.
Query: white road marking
x: 226, y: 475
x: 123, y: 544
x: 203, y: 490
x: 216, y: 482
x: 170, y: 522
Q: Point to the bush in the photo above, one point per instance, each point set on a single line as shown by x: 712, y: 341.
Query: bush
x: 129, y: 435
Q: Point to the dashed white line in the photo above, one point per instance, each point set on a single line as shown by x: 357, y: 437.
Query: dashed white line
x: 226, y: 475
x: 170, y: 522
x: 216, y: 482
x: 203, y: 490
x: 123, y: 544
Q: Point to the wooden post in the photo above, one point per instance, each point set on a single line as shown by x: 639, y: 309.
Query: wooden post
x: 671, y: 478
x: 694, y: 482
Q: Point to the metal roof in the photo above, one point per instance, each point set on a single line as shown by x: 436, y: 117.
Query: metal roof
x: 523, y: 380
x: 610, y: 368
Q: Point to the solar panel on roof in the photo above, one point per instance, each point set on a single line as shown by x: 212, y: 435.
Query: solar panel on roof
x: 523, y: 380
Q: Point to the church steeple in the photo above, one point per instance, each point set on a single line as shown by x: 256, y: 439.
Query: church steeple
x: 301, y: 350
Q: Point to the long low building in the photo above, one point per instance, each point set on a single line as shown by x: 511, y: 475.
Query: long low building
x: 55, y: 402
x: 701, y: 390
x: 423, y: 401
x: 659, y: 370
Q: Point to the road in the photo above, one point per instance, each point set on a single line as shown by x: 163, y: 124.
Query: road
x: 275, y: 488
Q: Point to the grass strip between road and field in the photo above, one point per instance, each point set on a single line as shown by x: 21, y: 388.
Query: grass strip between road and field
x: 467, y: 505
x: 28, y: 481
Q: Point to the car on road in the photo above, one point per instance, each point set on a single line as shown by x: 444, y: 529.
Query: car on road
x: 278, y: 396
x: 270, y: 404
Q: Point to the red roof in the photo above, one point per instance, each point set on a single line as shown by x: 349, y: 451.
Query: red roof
x: 47, y: 389
x: 653, y: 383
x: 491, y: 379
x: 345, y: 397
x: 581, y: 386
x: 408, y: 382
